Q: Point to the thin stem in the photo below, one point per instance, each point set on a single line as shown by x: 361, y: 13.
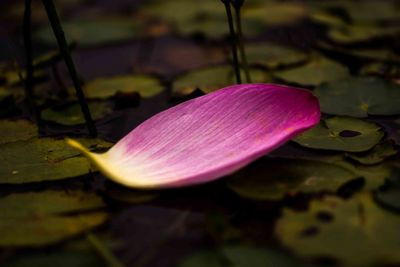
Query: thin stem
x: 240, y: 43
x: 104, y: 251
x: 232, y: 40
x: 62, y: 43
x: 28, y: 81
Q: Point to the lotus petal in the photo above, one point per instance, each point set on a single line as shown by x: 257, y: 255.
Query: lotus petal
x: 208, y: 137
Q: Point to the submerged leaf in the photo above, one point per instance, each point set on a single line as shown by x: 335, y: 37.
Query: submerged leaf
x: 208, y: 137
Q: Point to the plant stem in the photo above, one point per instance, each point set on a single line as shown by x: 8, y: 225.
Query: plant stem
x: 62, y: 43
x: 240, y: 43
x: 232, y: 40
x: 28, y: 80
x: 104, y: 251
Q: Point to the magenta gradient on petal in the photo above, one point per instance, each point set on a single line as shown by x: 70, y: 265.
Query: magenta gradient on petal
x: 211, y: 136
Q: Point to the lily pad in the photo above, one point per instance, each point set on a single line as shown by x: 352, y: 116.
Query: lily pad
x: 40, y: 231
x: 212, y: 78
x: 239, y: 256
x: 11, y: 131
x: 274, y: 13
x: 319, y: 70
x: 356, y: 232
x: 360, y: 33
x: 71, y: 114
x: 269, y: 179
x: 42, y: 159
x: 377, y: 154
x: 106, y: 87
x: 273, y: 56
x: 342, y: 134
x: 388, y: 195
x: 358, y: 97
x: 94, y: 32
x: 49, y: 202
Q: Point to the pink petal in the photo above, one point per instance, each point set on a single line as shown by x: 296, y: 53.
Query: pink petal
x: 208, y: 137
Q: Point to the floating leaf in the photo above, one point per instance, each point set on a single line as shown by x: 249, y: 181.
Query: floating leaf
x: 42, y: 159
x: 343, y: 134
x: 208, y: 137
x: 274, y: 13
x: 94, y: 32
x: 273, y: 56
x: 377, y: 154
x: 389, y: 194
x: 211, y: 79
x: 356, y: 231
x: 106, y: 87
x: 316, y: 72
x: 360, y: 33
x: 358, y: 97
x: 11, y: 131
x: 71, y: 114
x: 239, y: 256
x: 40, y: 231
x: 49, y: 202
x: 269, y: 179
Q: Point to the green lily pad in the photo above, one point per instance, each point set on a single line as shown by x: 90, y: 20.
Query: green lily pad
x: 356, y: 232
x: 49, y: 202
x: 358, y: 97
x: 212, y: 78
x: 239, y: 256
x: 46, y: 230
x: 94, y: 32
x: 360, y: 33
x: 382, y: 11
x: 207, y: 17
x: 269, y: 179
x: 319, y: 70
x: 377, y: 154
x: 274, y: 13
x: 342, y: 134
x: 381, y: 69
x: 388, y: 195
x: 42, y: 159
x: 72, y: 114
x: 106, y: 87
x: 11, y: 131
x: 273, y: 56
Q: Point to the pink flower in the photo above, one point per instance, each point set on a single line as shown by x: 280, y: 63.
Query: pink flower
x: 208, y: 137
